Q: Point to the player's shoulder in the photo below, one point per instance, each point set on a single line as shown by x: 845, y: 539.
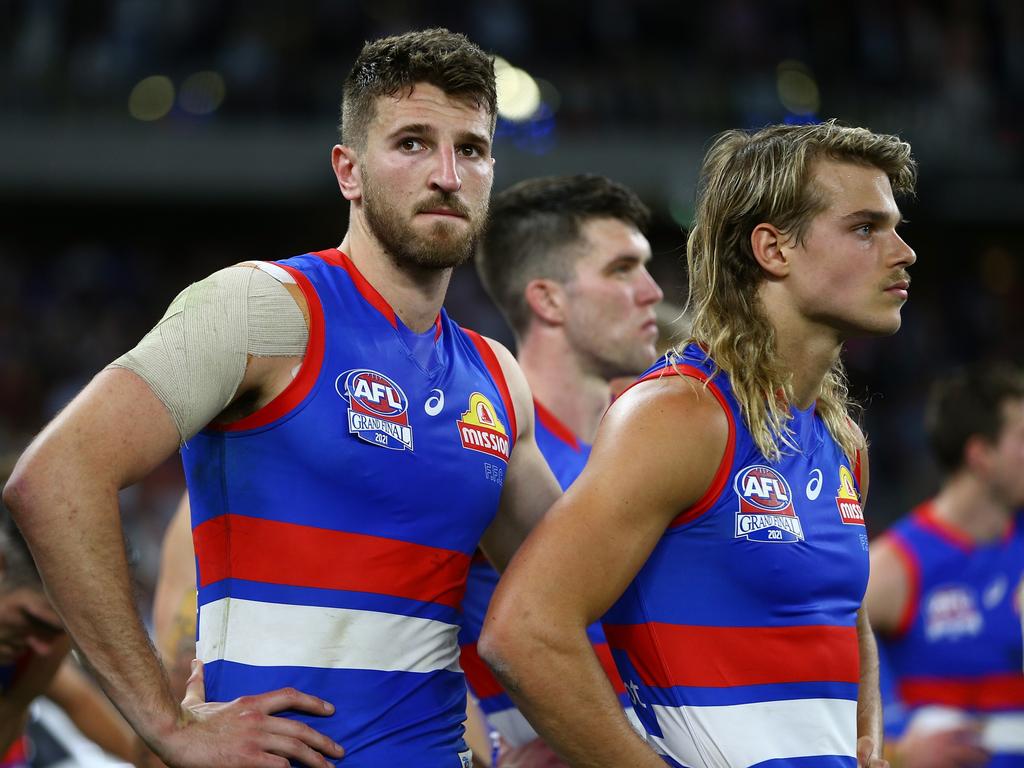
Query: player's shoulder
x: 669, y: 402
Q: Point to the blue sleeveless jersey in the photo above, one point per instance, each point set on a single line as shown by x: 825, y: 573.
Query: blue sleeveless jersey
x: 737, y: 639
x: 958, y: 649
x: 334, y: 527
x: 566, y: 455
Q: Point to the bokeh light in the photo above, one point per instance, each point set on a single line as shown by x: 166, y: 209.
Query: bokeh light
x: 518, y: 93
x: 202, y: 92
x: 151, y: 98
x: 797, y: 88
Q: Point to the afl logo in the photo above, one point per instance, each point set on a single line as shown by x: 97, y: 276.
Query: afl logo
x: 764, y: 490
x: 374, y: 392
x: 765, y: 506
x: 377, y: 408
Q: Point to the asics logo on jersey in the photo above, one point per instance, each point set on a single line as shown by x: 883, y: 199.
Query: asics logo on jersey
x: 814, y: 484
x: 435, y: 404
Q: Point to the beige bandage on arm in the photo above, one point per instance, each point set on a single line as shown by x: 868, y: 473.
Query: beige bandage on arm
x: 195, y: 358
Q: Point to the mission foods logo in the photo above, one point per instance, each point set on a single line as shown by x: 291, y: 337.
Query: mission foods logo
x: 848, y: 500
x: 481, y: 430
x: 378, y: 410
x: 766, y: 506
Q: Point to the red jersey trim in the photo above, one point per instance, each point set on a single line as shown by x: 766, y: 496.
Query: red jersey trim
x: 309, y: 372
x: 337, y: 258
x: 925, y: 516
x: 857, y: 469
x: 721, y: 477
x: 987, y: 693
x: 912, y: 568
x: 668, y: 655
x: 235, y: 546
x: 491, y: 361
x: 555, y: 427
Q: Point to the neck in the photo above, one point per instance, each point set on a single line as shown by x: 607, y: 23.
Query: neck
x: 576, y: 396
x: 415, y: 293
x: 966, y: 504
x: 806, y: 348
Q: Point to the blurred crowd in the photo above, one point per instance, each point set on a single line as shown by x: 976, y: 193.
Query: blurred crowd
x: 620, y: 62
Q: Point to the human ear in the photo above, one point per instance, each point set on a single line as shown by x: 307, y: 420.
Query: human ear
x: 346, y: 171
x: 770, y: 248
x: 546, y: 300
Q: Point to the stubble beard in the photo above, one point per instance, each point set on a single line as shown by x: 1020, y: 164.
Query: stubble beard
x: 443, y: 247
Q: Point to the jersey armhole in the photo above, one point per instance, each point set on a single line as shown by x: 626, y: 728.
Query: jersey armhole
x: 299, y: 387
x: 498, y: 375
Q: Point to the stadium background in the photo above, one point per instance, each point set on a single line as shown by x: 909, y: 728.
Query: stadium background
x: 145, y: 144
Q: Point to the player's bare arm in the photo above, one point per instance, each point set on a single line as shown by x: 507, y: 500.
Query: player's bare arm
x: 174, y: 603
x: 530, y: 489
x: 655, y: 454
x: 888, y: 586
x: 869, y: 699
x: 64, y: 496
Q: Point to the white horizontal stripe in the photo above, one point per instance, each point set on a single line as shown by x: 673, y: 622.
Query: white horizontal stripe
x: 1000, y: 732
x: 278, y: 635
x: 1003, y: 733
x: 746, y: 734
x: 517, y: 731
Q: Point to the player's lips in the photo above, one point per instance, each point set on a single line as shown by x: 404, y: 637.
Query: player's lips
x: 899, y: 288
x: 444, y: 212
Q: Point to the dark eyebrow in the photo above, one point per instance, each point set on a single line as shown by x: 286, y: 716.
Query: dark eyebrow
x: 419, y: 128
x: 425, y: 129
x: 875, y: 217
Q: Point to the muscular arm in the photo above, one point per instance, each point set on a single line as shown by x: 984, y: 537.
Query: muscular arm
x: 174, y: 604
x: 63, y: 494
x: 642, y: 472
x: 869, y: 700
x: 91, y: 712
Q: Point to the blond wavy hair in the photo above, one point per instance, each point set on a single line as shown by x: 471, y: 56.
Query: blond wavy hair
x: 748, y: 179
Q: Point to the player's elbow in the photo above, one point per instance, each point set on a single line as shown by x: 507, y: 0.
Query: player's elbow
x: 27, y: 488
x: 500, y: 648
x: 508, y: 642
x: 18, y: 489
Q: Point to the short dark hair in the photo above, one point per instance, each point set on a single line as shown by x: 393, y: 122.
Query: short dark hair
x: 385, y: 67
x: 532, y: 226
x: 967, y: 403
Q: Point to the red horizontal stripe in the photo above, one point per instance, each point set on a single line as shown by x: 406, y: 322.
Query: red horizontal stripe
x: 240, y: 547
x: 667, y: 655
x: 481, y: 680
x: 988, y: 693
x: 485, y: 685
x: 604, y: 655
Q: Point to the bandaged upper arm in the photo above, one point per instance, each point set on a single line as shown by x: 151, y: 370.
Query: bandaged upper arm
x: 195, y: 358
